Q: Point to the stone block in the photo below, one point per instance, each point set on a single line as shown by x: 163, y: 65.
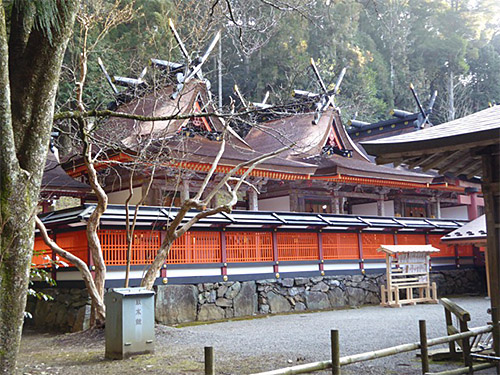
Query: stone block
x: 320, y: 287
x: 355, y: 296
x: 316, y: 279
x: 233, y: 290
x: 223, y: 302
x: 176, y: 303
x: 301, y: 281
x: 210, y: 312
x: 300, y: 307
x: 82, y: 321
x: 278, y: 303
x: 317, y: 301
x: 245, y: 303
x: 296, y: 291
x: 337, y: 297
x: 288, y: 282
x: 222, y: 290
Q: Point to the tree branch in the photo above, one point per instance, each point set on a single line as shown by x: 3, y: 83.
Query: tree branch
x: 80, y: 264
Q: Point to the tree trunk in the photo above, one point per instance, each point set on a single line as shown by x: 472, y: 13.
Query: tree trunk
x: 30, y: 65
x: 451, y: 97
x: 82, y: 267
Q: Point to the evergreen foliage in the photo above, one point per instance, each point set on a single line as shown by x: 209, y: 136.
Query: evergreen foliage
x: 386, y: 45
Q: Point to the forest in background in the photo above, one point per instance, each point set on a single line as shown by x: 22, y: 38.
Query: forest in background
x: 452, y: 46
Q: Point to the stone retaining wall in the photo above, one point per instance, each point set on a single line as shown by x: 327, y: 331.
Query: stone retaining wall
x: 70, y: 309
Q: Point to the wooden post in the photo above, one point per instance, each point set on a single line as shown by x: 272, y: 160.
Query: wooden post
x: 320, y: 252
x: 184, y: 190
x: 424, y: 354
x: 449, y: 322
x: 275, y: 253
x: 491, y: 193
x: 466, y: 345
x: 380, y: 206
x: 223, y: 248
x: 334, y: 336
x: 209, y: 360
x: 336, y: 205
x: 360, y: 249
x: 253, y: 200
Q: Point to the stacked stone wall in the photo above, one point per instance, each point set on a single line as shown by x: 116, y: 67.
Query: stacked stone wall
x: 175, y: 304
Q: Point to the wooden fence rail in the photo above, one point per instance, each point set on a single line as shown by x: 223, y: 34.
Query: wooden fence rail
x: 362, y: 357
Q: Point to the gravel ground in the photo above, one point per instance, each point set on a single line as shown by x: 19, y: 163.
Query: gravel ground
x: 246, y: 346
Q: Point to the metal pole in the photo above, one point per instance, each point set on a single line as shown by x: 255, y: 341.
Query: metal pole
x: 209, y: 360
x: 424, y: 354
x: 335, y: 352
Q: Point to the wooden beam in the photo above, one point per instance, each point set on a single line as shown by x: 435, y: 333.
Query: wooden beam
x: 438, y: 160
x: 447, y: 166
x: 421, y: 160
x: 467, y: 165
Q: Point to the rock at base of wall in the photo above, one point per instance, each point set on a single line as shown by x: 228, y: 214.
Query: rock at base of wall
x: 355, y: 296
x: 317, y: 301
x: 176, y: 303
x: 337, y: 297
x: 278, y: 303
x: 82, y: 321
x: 211, y: 312
x: 245, y: 303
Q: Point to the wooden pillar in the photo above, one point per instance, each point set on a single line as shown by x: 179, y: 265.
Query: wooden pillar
x: 491, y: 192
x: 184, y: 190
x: 294, y: 202
x: 223, y: 250
x: 428, y: 209
x: 380, y: 206
x: 253, y: 200
x: 336, y: 205
x: 472, y: 211
x: 275, y: 254
x: 438, y: 208
x: 320, y: 253
x: 360, y: 249
x: 398, y: 207
x: 302, y: 204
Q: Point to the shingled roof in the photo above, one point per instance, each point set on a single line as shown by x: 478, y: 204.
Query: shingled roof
x: 452, y: 147
x: 56, y: 181
x: 309, y: 140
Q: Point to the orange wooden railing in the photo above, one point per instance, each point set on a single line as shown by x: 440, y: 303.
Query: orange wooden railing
x: 74, y: 242
x: 465, y: 250
x: 411, y: 239
x: 297, y: 246
x: 249, y: 246
x: 340, y: 246
x: 41, y: 254
x: 196, y: 247
x: 114, y: 246
x: 446, y: 251
x: 240, y: 246
x: 372, y: 241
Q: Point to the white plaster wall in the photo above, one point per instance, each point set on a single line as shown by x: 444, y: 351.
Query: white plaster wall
x: 457, y: 212
x: 371, y: 208
x: 275, y: 204
x: 119, y: 197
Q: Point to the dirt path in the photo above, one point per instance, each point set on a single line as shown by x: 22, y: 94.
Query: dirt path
x: 246, y: 346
